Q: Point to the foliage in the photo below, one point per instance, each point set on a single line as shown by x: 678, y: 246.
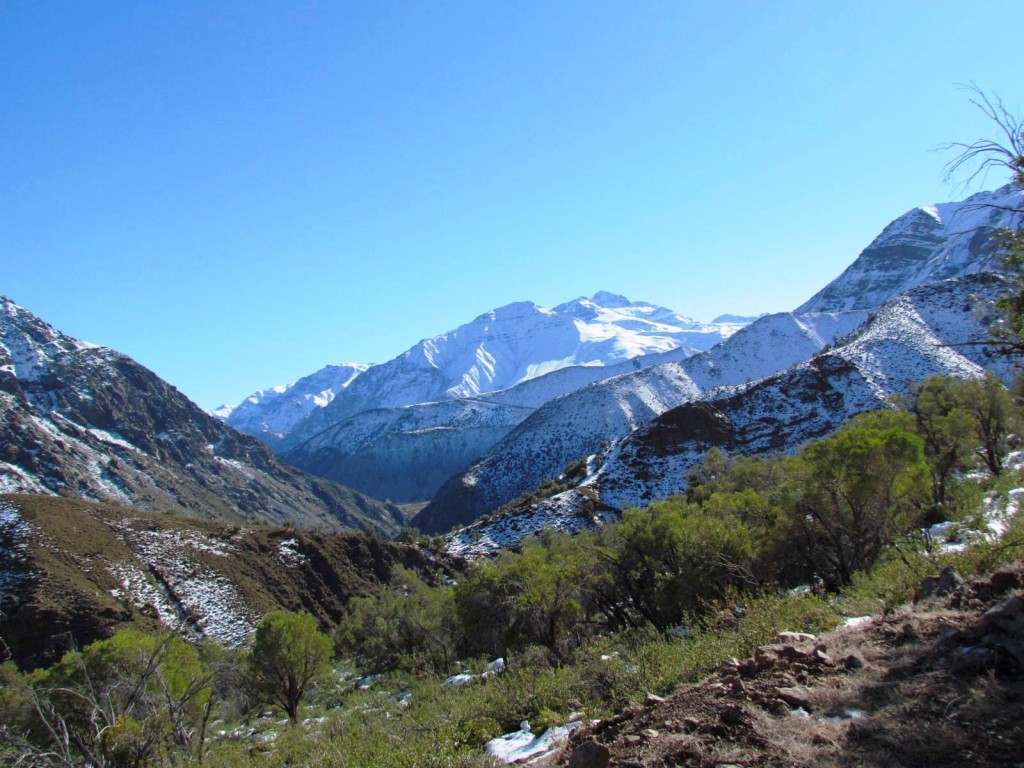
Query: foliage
x: 545, y: 595
x: 995, y: 417
x: 289, y: 655
x: 131, y: 700
x: 947, y: 431
x: 407, y: 625
x: 674, y: 557
x: 852, y: 493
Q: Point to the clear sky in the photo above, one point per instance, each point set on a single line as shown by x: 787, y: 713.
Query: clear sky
x: 236, y: 194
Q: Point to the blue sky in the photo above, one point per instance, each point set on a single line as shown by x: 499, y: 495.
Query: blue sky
x: 237, y: 194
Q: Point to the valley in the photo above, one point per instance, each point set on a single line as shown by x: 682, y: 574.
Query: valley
x: 538, y: 489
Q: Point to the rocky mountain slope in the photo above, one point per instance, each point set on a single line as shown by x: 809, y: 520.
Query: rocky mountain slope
x: 270, y: 414
x: 919, y: 248
x: 930, y: 330
x: 577, y: 424
x: 72, y: 572
x: 924, y: 245
x: 85, y: 421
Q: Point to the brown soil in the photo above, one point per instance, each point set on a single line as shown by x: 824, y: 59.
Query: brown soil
x: 62, y: 595
x: 937, y: 684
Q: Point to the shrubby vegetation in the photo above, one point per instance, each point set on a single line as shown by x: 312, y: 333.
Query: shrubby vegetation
x: 587, y: 623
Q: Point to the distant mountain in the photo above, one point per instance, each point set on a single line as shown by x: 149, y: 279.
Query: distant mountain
x: 401, y: 428
x: 405, y: 453
x: 924, y: 245
x: 932, y: 329
x: 576, y: 424
x: 742, y: 319
x: 270, y: 414
x: 921, y: 247
x: 510, y: 345
x: 85, y: 421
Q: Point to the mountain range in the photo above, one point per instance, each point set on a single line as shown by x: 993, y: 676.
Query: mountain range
x: 927, y: 325
x: 401, y: 428
x: 632, y: 396
x: 476, y: 417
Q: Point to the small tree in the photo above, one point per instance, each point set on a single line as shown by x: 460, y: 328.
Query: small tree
x: 853, y: 492
x: 119, y: 703
x: 991, y: 407
x: 289, y: 655
x: 675, y: 557
x: 947, y: 429
x: 406, y: 625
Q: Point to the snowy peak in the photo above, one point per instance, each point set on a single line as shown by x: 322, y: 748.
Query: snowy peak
x: 271, y: 413
x: 924, y: 245
x: 512, y: 344
x: 611, y: 300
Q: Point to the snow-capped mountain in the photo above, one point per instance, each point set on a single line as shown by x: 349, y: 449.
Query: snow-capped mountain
x: 924, y: 245
x: 406, y: 453
x: 577, y: 423
x: 270, y: 414
x: 82, y: 420
x: 930, y: 330
x: 510, y: 345
x: 923, y: 332
x: 921, y: 247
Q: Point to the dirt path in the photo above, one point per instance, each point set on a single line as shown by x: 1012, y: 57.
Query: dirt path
x: 936, y: 684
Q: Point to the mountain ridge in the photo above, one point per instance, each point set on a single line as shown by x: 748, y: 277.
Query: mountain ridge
x: 82, y: 420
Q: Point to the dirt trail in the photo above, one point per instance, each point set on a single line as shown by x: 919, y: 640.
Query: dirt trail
x: 938, y: 683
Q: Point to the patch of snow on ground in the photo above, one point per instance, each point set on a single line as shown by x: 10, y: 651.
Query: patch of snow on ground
x: 289, y: 555
x: 139, y: 589
x: 523, y: 745
x: 486, y: 539
x: 999, y: 511
x: 192, y: 587
x: 238, y: 466
x: 13, y: 479
x: 113, y: 438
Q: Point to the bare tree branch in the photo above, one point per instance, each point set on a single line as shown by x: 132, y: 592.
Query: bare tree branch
x: 981, y: 156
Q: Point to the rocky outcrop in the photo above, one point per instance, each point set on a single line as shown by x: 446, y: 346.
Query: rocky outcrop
x: 939, y: 683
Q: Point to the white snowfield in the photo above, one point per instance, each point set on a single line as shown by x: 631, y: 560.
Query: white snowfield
x: 187, y: 594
